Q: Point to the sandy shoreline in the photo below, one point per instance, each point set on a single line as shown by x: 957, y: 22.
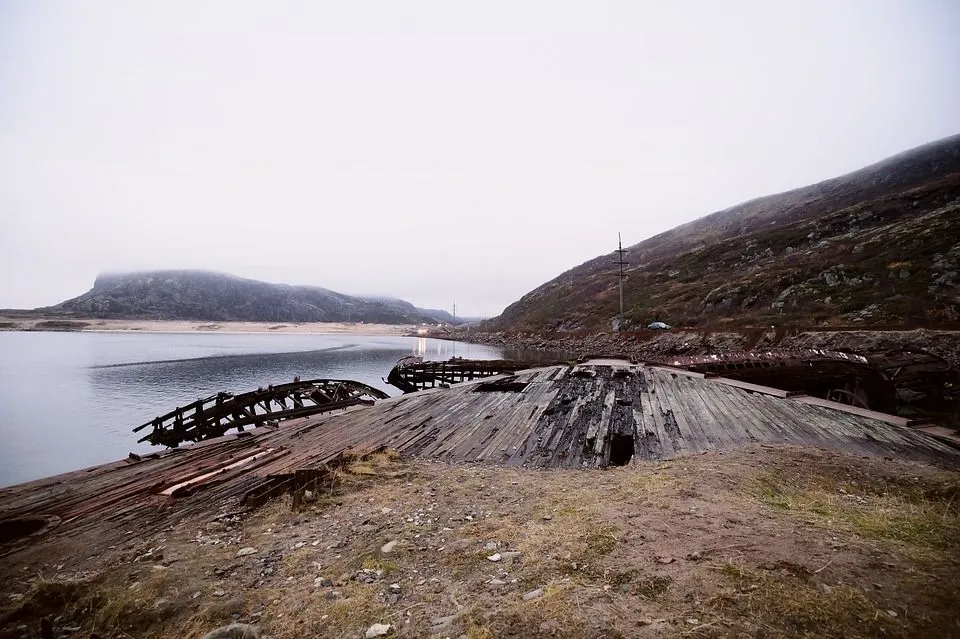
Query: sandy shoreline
x: 184, y: 326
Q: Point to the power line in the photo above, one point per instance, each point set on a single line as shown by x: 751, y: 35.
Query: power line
x: 621, y: 263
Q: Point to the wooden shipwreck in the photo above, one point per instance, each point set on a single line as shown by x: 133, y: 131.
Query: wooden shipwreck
x: 593, y: 414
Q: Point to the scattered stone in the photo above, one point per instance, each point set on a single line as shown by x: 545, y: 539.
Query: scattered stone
x: 892, y: 613
x: 219, y: 593
x: 510, y: 555
x: 496, y: 583
x: 299, y: 544
x: 693, y: 621
x: 234, y: 631
x: 494, y: 557
x: 695, y: 556
x: 549, y: 627
x: 533, y: 594
x: 440, y: 623
x: 490, y: 545
x: 548, y: 517
x: 663, y: 559
x: 878, y: 586
x: 644, y: 621
x: 388, y: 548
x: 386, y: 511
x: 322, y: 582
x: 377, y: 630
x: 394, y: 588
x: 243, y: 552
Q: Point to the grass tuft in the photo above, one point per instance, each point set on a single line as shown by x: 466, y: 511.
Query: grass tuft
x: 919, y: 517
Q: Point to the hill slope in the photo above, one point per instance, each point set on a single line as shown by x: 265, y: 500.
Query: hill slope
x: 879, y: 245
x: 201, y: 295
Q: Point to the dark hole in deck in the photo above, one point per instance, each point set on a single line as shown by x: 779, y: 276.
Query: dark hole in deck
x: 621, y: 450
x: 14, y: 529
x: 510, y: 385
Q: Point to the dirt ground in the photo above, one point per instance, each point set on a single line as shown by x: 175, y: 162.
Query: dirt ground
x: 765, y: 542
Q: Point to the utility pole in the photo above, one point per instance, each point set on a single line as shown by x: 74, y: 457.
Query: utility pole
x: 454, y: 312
x: 621, y: 263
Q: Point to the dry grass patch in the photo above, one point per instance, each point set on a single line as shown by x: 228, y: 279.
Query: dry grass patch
x: 922, y: 515
x: 770, y: 606
x: 556, y: 612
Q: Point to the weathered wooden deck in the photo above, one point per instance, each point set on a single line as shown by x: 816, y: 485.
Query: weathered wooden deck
x: 593, y: 414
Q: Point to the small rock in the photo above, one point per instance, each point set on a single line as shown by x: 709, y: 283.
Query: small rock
x: 892, y: 613
x: 440, y: 623
x: 234, y: 631
x: 496, y: 583
x: 309, y: 495
x: 490, y: 545
x: 322, y: 582
x: 243, y: 552
x: 394, y: 588
x: 386, y: 511
x: 693, y: 621
x: 377, y: 630
x: 665, y: 560
x: 878, y: 586
x: 549, y: 627
x: 510, y: 555
x: 533, y: 594
x: 695, y: 556
x: 388, y: 548
x: 218, y: 593
x: 494, y: 557
x: 644, y: 621
x: 548, y: 517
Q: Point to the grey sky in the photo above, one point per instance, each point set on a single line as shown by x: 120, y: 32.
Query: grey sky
x: 436, y: 151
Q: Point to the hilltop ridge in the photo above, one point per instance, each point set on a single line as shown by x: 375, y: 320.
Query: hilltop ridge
x: 210, y: 296
x: 879, y: 245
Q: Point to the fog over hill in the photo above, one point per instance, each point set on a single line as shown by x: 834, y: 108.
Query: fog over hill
x: 879, y: 245
x: 208, y: 296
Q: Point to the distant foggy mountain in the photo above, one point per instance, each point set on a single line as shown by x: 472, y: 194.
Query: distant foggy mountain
x: 207, y: 296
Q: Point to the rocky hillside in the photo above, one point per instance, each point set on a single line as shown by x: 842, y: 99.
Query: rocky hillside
x: 200, y: 295
x: 878, y: 246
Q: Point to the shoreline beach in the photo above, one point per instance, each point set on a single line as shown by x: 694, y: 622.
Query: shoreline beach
x: 188, y: 326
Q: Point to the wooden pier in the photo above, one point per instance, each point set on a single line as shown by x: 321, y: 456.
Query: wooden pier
x: 594, y: 414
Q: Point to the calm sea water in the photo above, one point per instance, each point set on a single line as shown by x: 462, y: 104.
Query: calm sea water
x: 69, y: 400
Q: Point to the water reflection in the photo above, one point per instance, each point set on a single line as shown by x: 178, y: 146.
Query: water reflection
x: 69, y: 400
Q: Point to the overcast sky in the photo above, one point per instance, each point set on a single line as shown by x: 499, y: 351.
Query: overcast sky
x: 436, y: 151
